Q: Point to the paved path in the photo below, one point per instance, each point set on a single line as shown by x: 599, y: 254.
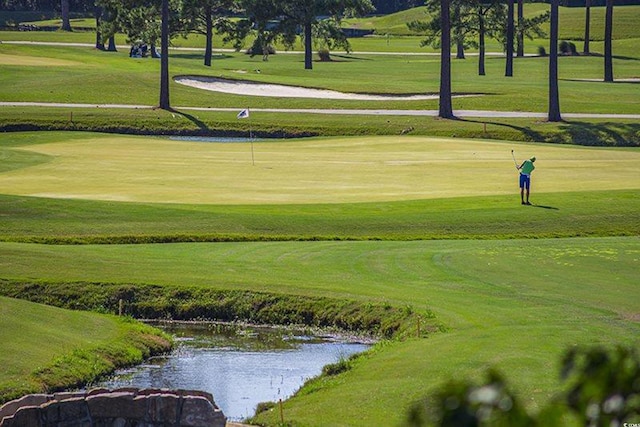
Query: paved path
x: 294, y: 52
x: 430, y: 113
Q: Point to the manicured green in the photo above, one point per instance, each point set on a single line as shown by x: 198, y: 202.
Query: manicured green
x: 515, y: 305
x: 343, y: 188
x: 336, y: 170
x: 53, y: 221
x: 45, y: 349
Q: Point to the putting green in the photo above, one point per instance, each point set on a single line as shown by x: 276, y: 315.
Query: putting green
x: 35, y: 61
x: 336, y: 170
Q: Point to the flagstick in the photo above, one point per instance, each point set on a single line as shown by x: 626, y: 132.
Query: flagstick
x: 253, y: 162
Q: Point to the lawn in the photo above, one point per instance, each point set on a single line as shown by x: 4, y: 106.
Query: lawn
x: 398, y: 214
x: 514, y: 305
x: 47, y: 349
x: 37, y: 73
x: 502, y: 301
x: 80, y: 74
x: 336, y: 170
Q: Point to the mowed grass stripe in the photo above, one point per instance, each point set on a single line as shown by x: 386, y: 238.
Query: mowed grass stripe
x: 558, y: 269
x: 604, y: 213
x: 505, y: 303
x: 336, y: 170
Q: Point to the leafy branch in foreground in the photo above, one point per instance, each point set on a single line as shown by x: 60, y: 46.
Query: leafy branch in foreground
x: 604, y: 390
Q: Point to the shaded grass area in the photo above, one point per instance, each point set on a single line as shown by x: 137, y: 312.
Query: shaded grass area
x: 56, y: 221
x: 197, y: 303
x: 60, y: 349
x: 590, y: 132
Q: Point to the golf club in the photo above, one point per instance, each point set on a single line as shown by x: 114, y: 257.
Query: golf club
x: 514, y: 159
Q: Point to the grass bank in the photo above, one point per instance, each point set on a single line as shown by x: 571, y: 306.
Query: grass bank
x: 60, y: 349
x: 197, y: 303
x: 514, y: 305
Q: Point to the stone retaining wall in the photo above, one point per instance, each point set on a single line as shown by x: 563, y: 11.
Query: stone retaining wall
x: 126, y: 407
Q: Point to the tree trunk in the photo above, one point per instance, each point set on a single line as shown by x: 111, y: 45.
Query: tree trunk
x: 64, y: 11
x: 112, y: 44
x: 459, y: 48
x: 164, y: 58
x: 509, y: 65
x: 608, y: 34
x: 99, y: 42
x: 554, y: 96
x: 459, y: 37
x: 481, y: 47
x: 445, y: 107
x: 587, y: 26
x: 209, y: 37
x: 308, y: 49
x: 520, y: 32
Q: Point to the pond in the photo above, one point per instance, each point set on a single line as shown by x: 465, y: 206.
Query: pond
x: 215, y: 139
x: 240, y: 365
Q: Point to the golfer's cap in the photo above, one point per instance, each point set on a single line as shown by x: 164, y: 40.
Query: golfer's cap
x: 533, y: 159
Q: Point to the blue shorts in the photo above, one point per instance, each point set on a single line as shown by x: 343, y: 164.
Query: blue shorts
x: 525, y: 181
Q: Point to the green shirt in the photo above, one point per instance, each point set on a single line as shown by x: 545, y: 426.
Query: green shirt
x: 527, y: 167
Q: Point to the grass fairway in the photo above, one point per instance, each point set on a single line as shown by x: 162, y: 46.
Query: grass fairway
x: 336, y: 170
x: 506, y: 302
x: 392, y: 221
x: 515, y: 305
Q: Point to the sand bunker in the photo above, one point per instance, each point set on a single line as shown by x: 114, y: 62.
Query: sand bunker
x: 281, y: 91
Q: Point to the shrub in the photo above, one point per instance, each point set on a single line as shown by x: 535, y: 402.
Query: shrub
x: 542, y: 51
x: 258, y: 49
x: 465, y: 404
x: 325, y: 55
x: 340, y: 366
x: 604, y: 390
x: 604, y: 385
x: 186, y: 303
x: 567, y: 48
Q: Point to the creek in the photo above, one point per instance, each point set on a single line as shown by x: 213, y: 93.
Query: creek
x: 240, y: 365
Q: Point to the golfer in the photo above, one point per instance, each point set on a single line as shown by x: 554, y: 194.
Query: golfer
x: 525, y: 179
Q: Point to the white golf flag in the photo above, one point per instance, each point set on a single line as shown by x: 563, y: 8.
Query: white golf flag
x: 243, y: 114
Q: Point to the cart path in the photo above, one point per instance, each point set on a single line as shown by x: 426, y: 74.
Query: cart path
x: 371, y: 112
x: 223, y: 50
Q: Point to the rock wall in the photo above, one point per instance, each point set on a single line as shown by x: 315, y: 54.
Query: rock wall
x: 126, y: 407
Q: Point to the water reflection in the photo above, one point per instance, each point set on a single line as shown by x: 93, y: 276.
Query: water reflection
x: 214, y: 139
x: 240, y: 366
